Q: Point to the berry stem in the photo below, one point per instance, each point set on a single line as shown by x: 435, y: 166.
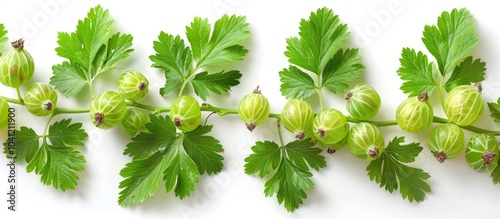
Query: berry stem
x: 19, y: 97
x: 59, y: 111
x: 278, y: 124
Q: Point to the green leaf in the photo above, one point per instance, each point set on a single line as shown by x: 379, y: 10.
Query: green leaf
x: 142, y: 179
x: 343, y: 68
x: 63, y: 133
x: 198, y: 35
x: 290, y: 184
x: 3, y: 37
x: 303, y: 153
x: 68, y: 79
x: 217, y: 83
x: 223, y: 47
x: 469, y: 71
x: 495, y: 110
x: 495, y: 174
x: 419, y: 75
x: 320, y: 38
x: 58, y: 166
x: 95, y: 30
x: 172, y: 55
x: 27, y: 143
x: 161, y: 134
x: 391, y: 173
x: 91, y: 50
x: 452, y: 40
x: 266, y: 157
x: 296, y: 84
x: 181, y: 173
x: 204, y: 150
x: 173, y: 81
x: 119, y: 47
x: 71, y: 48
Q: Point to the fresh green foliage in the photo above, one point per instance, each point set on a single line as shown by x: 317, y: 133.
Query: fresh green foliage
x: 391, y: 172
x: 161, y: 154
x: 3, y: 37
x: 495, y: 110
x: 93, y: 49
x: 55, y: 160
x: 450, y: 42
x: 296, y: 84
x: 290, y: 167
x: 216, y: 82
x: 468, y: 71
x: 181, y: 63
x: 419, y: 75
x: 495, y: 174
x: 319, y: 51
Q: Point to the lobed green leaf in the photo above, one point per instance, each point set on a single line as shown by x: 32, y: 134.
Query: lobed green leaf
x: 181, y: 173
x: 58, y: 166
x: 3, y: 37
x: 419, y: 75
x: 469, y: 71
x: 321, y: 37
x: 495, y: 110
x: 161, y: 134
x: 68, y: 78
x: 303, y: 153
x: 266, y: 157
x: 204, y: 150
x: 290, y: 184
x: 391, y: 173
x: 217, y: 82
x: 452, y: 40
x: 224, y: 44
x: 63, y: 133
x: 344, y: 67
x: 142, y: 179
x: 296, y: 84
x: 27, y: 144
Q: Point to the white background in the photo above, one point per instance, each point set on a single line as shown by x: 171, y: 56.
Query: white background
x: 343, y: 190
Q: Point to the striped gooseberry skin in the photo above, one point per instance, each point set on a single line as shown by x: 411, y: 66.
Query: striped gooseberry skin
x: 254, y: 109
x: 133, y: 85
x: 363, y: 102
x: 415, y: 114
x: 365, y: 141
x: 464, y: 105
x: 107, y: 110
x: 16, y: 66
x: 133, y: 122
x: 4, y: 114
x: 297, y: 117
x: 446, y: 141
x: 482, y: 152
x: 185, y: 113
x: 40, y: 99
x: 332, y: 148
x: 329, y: 126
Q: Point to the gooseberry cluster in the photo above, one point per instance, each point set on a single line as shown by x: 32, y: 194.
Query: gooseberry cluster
x: 176, y: 149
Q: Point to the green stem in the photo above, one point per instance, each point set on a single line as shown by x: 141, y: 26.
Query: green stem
x: 320, y: 94
x: 278, y: 124
x: 376, y: 123
x: 12, y: 100
x: 189, y: 78
x: 19, y: 98
x: 59, y: 111
x: 470, y: 128
x: 44, y: 133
